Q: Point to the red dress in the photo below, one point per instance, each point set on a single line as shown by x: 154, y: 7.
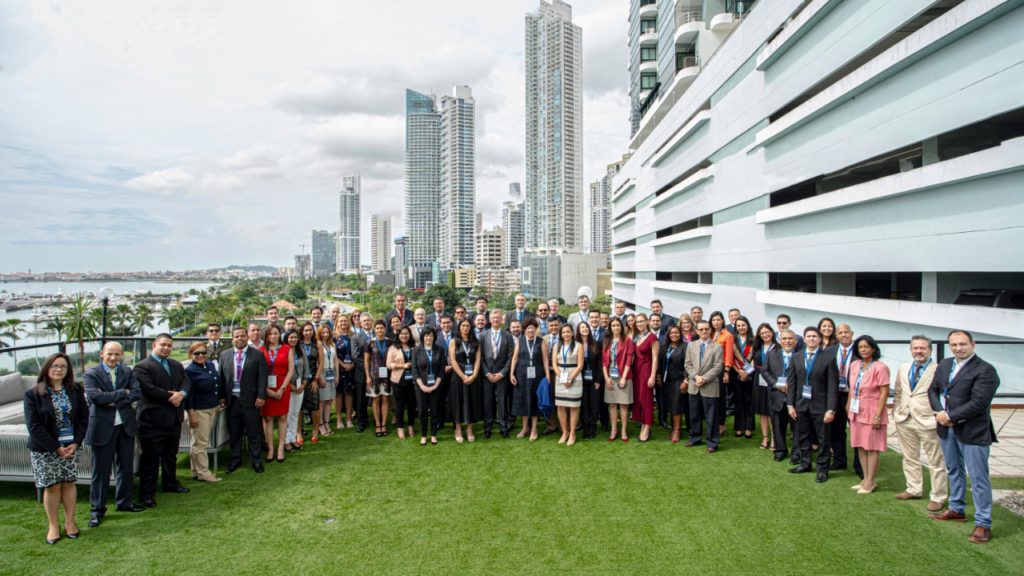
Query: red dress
x: 643, y: 364
x: 278, y: 368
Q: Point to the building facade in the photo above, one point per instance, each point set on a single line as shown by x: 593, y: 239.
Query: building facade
x: 401, y: 262
x: 490, y: 248
x: 324, y: 250
x: 458, y: 182
x: 422, y: 184
x: 554, y: 128
x: 380, y: 242
x: 512, y: 223
x: 856, y: 160
x: 302, y: 266
x: 348, y: 224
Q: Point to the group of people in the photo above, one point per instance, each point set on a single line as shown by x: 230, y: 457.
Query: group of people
x: 493, y: 368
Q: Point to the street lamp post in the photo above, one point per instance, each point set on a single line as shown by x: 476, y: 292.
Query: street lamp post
x: 104, y: 295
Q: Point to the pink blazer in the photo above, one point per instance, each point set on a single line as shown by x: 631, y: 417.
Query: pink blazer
x: 871, y: 385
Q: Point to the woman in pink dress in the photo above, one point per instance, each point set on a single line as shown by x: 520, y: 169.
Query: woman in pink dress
x: 869, y: 391
x: 281, y: 365
x: 645, y: 366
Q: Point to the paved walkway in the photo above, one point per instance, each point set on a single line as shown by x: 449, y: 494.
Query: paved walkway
x: 1006, y: 457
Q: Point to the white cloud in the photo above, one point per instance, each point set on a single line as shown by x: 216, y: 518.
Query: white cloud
x: 166, y: 180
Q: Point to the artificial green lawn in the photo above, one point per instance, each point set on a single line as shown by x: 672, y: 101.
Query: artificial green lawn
x: 357, y: 504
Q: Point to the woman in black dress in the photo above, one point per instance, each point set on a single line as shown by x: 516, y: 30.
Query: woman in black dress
x: 763, y: 345
x: 311, y: 396
x: 427, y: 370
x: 593, y: 380
x: 465, y: 398
x: 530, y: 366
x: 673, y: 374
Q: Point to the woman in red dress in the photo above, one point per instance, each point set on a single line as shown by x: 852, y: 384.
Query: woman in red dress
x: 282, y: 369
x: 645, y: 366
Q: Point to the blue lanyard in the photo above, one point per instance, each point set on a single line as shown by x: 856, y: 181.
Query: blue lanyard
x: 809, y: 365
x: 615, y: 351
x: 860, y: 375
x: 785, y: 362
x: 565, y: 355
x: 382, y: 349
x: 273, y: 356
x: 430, y: 362
x: 923, y: 367
x: 529, y: 348
x: 764, y: 354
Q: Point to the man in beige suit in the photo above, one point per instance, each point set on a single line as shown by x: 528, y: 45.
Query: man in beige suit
x: 915, y: 425
x: 704, y: 367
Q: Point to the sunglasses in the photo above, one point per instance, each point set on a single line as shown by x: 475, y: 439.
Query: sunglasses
x: 199, y: 353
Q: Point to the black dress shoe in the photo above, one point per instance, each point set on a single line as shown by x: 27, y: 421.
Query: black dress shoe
x: 95, y: 520
x: 361, y: 428
x: 258, y: 468
x: 179, y: 489
x: 504, y: 434
x: 779, y: 457
x: 149, y: 503
x: 131, y: 507
x: 487, y: 433
x: 835, y: 466
x: 232, y: 467
x: 822, y: 476
x: 801, y: 469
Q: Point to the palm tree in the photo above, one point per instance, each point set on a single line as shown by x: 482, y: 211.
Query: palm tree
x: 9, y: 329
x: 57, y: 325
x: 142, y: 319
x: 121, y: 318
x: 81, y: 324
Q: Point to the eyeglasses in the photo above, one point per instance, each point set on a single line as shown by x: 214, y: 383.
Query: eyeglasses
x: 704, y: 329
x: 59, y: 367
x: 213, y: 330
x: 199, y: 353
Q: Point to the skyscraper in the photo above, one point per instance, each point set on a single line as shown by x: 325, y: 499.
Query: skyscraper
x: 490, y: 248
x: 401, y: 261
x: 380, y: 242
x: 554, y: 128
x: 600, y: 208
x: 515, y: 190
x: 324, y: 250
x: 458, y: 185
x: 422, y: 185
x: 348, y: 224
x: 512, y: 223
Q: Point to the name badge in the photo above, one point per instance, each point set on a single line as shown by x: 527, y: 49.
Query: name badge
x: 748, y: 368
x: 844, y: 384
x: 563, y: 378
x: 588, y: 375
x: 780, y: 384
x: 382, y: 372
x: 762, y: 382
x: 468, y: 370
x: 531, y: 371
x: 66, y: 435
x: 236, y: 390
x: 329, y: 375
x: 272, y: 382
x: 942, y: 399
x: 613, y: 371
x: 407, y: 375
x: 806, y: 392
x: 855, y: 406
x: 430, y: 380
x: 347, y: 359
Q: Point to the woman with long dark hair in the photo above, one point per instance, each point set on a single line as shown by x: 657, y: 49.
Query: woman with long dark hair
x: 618, y: 377
x: 465, y: 399
x: 761, y: 395
x: 827, y: 327
x: 378, y: 386
x: 673, y: 375
x: 742, y: 378
x: 400, y: 365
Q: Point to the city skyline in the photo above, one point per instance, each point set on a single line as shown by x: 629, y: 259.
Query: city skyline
x: 181, y: 149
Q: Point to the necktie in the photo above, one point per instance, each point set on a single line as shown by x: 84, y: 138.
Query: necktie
x: 167, y: 367
x: 238, y: 365
x: 702, y: 346
x: 916, y: 377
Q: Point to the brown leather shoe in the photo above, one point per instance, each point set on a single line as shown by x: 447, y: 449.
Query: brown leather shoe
x: 980, y: 535
x: 907, y: 496
x: 934, y: 506
x: 949, y: 515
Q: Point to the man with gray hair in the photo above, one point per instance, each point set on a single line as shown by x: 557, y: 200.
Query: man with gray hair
x: 915, y: 426
x: 553, y: 306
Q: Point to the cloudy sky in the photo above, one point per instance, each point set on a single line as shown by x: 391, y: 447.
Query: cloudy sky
x: 148, y: 134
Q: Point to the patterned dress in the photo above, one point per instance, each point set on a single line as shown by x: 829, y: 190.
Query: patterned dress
x: 568, y: 396
x: 47, y: 467
x: 310, y: 401
x: 346, y: 382
x: 378, y: 351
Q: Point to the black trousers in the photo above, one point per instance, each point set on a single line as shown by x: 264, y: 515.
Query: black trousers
x: 244, y: 424
x: 429, y: 406
x: 662, y: 395
x: 806, y: 425
x: 704, y: 411
x: 405, y: 403
x: 593, y: 394
x: 743, y: 398
x: 159, y: 454
x: 121, y: 448
x: 495, y: 394
x: 837, y: 437
x: 780, y: 422
x: 359, y: 400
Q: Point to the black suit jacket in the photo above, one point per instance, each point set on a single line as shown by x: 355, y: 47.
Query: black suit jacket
x: 434, y: 319
x: 676, y: 363
x: 253, y: 385
x: 490, y: 364
x: 824, y: 380
x: 407, y: 317
x: 157, y: 386
x: 421, y: 367
x: 512, y: 315
x: 668, y: 321
x: 772, y: 372
x: 969, y: 400
x: 105, y: 399
x: 41, y: 419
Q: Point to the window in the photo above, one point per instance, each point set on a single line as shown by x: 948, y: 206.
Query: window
x: 647, y: 81
x: 648, y: 53
x: 793, y: 281
x: 648, y: 26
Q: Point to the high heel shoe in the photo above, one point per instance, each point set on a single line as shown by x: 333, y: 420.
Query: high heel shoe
x: 52, y: 541
x: 73, y: 536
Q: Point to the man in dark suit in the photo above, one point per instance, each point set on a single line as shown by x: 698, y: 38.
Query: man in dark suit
x: 845, y: 355
x: 519, y: 313
x: 359, y: 343
x: 496, y: 348
x: 812, y: 400
x: 661, y: 395
x: 243, y: 390
x: 961, y: 396
x: 164, y: 386
x: 399, y: 310
x: 553, y: 308
x: 775, y: 374
x: 111, y: 389
x: 666, y: 320
x: 434, y: 319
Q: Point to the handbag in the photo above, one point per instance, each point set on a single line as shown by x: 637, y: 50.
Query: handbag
x: 544, y: 404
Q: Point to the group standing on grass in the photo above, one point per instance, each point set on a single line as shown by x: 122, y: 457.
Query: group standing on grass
x: 484, y: 367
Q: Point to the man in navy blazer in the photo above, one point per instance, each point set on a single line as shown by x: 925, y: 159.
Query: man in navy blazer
x: 164, y: 386
x: 111, y: 390
x: 961, y: 396
x: 812, y: 399
x: 243, y: 378
x: 496, y: 348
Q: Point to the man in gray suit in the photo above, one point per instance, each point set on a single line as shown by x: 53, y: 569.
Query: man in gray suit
x: 496, y: 360
x: 704, y: 367
x: 111, y: 389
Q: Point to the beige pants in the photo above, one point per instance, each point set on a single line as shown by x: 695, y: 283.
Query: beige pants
x: 915, y: 439
x: 199, y: 461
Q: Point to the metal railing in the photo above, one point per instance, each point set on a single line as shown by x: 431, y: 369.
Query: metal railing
x: 687, y: 17
x: 687, y: 62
